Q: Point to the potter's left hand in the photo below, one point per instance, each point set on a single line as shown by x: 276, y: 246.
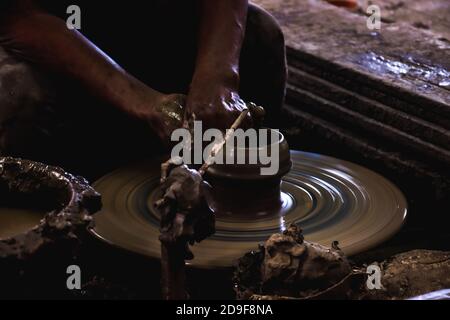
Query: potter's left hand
x: 165, y: 115
x: 216, y: 104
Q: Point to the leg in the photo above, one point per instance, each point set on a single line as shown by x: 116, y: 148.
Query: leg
x: 263, y: 64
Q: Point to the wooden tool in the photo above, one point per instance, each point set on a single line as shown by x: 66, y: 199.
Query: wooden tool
x: 184, y: 208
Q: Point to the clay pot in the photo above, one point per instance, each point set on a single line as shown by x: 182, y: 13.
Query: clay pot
x: 242, y: 189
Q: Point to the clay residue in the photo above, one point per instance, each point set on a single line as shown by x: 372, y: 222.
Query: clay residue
x: 185, y: 215
x: 289, y: 266
x: 69, y: 200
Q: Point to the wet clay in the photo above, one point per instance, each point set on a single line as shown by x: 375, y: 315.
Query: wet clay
x: 288, y: 266
x: 36, y: 255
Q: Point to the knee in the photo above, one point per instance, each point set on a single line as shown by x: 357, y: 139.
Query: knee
x: 264, y: 29
x: 23, y: 103
x: 263, y: 66
x: 264, y: 47
x: 18, y: 81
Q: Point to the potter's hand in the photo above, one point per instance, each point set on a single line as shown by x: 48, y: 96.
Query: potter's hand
x: 214, y: 96
x: 164, y: 115
x: 217, y: 105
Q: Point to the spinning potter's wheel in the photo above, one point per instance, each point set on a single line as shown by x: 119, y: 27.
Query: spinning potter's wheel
x: 330, y: 199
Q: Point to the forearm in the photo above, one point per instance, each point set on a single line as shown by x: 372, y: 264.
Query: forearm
x: 46, y: 41
x: 221, y: 33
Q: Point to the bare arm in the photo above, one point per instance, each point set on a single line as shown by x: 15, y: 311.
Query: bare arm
x: 215, y: 84
x: 221, y: 35
x: 46, y: 41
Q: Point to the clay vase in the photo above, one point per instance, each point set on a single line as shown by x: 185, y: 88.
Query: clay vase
x: 241, y: 190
